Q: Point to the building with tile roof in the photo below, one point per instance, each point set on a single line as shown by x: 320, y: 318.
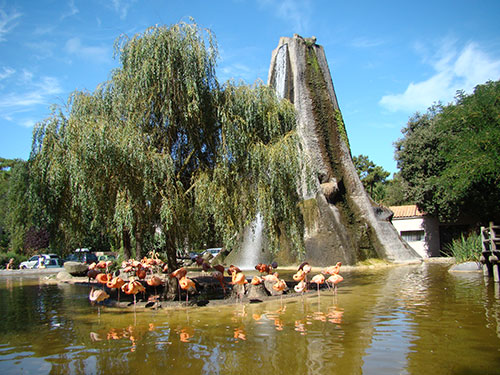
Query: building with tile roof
x: 418, y: 229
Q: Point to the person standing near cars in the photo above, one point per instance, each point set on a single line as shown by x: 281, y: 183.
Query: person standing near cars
x: 10, y: 265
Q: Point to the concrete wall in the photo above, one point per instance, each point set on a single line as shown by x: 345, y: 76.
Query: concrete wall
x: 428, y: 245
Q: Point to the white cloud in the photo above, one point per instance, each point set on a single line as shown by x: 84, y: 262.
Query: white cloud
x: 364, y: 42
x: 94, y: 53
x: 7, y: 22
x: 33, y: 92
x: 296, y: 12
x: 122, y: 6
x: 6, y: 72
x: 454, y: 71
x: 71, y: 11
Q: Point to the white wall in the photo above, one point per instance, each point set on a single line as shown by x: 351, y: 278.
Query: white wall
x: 428, y: 246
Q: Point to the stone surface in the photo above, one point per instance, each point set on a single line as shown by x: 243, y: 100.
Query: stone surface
x: 257, y: 292
x: 76, y: 268
x: 466, y: 267
x: 342, y: 223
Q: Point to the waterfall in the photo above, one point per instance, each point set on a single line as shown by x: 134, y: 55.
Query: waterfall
x: 280, y: 78
x: 251, y: 248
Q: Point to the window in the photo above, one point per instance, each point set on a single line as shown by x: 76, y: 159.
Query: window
x: 413, y: 235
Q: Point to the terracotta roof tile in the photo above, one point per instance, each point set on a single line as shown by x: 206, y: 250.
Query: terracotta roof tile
x: 410, y: 210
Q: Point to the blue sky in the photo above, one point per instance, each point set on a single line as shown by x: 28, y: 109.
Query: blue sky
x: 388, y: 59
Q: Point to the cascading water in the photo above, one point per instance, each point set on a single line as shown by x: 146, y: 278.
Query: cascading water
x: 280, y: 79
x: 251, y: 248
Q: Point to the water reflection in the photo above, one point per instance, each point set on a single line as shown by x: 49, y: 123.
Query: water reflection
x: 398, y: 320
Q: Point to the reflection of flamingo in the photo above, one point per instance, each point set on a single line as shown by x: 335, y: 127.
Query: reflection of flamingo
x: 318, y: 279
x: 239, y: 334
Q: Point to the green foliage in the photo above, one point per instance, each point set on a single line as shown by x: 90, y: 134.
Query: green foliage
x: 371, y: 175
x: 465, y: 248
x: 394, y: 192
x: 450, y: 156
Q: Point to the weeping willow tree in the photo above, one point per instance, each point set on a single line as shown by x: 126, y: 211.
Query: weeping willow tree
x: 162, y: 155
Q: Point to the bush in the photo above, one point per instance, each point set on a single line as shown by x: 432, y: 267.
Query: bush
x: 5, y: 257
x: 465, y: 249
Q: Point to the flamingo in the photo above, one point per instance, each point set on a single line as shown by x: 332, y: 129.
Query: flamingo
x: 154, y: 281
x: 333, y: 270
x: 116, y: 283
x: 334, y: 280
x: 133, y: 287
x: 220, y: 277
x: 256, y: 280
x: 103, y: 278
x: 97, y: 296
x: 238, y: 278
x: 179, y: 274
x: 186, y: 283
x: 318, y: 279
x: 300, y: 287
x: 280, y: 286
x: 299, y: 276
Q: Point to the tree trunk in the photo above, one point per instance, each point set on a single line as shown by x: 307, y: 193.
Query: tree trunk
x: 127, y: 248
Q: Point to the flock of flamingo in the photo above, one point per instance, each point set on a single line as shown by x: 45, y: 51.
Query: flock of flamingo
x: 148, y: 272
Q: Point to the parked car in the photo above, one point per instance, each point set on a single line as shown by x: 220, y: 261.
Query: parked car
x: 48, y: 261
x: 107, y: 257
x: 214, y: 251
x: 83, y: 255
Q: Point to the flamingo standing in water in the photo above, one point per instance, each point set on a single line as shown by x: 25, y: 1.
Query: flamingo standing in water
x: 280, y: 286
x: 318, y: 279
x: 96, y: 296
x: 179, y: 274
x: 186, y: 283
x: 116, y: 283
x: 334, y: 280
x: 133, y: 287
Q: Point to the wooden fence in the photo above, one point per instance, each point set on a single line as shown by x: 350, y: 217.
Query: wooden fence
x: 491, y: 251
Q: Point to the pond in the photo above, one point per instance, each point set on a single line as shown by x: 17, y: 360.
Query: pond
x: 417, y: 319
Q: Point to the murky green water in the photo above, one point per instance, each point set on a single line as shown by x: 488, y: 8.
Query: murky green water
x: 405, y: 320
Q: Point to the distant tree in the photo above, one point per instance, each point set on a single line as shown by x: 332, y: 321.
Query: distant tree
x: 450, y: 156
x: 6, y: 166
x: 371, y: 175
x: 395, y: 192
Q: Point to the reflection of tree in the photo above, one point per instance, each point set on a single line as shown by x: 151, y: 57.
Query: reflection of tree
x: 453, y: 315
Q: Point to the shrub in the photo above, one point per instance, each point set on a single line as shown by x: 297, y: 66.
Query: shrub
x: 465, y: 248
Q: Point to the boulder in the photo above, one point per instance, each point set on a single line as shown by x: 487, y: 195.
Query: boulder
x: 257, y: 292
x: 76, y: 268
x: 466, y: 267
x: 64, y: 276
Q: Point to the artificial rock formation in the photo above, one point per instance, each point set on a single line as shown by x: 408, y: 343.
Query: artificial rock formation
x: 342, y: 222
